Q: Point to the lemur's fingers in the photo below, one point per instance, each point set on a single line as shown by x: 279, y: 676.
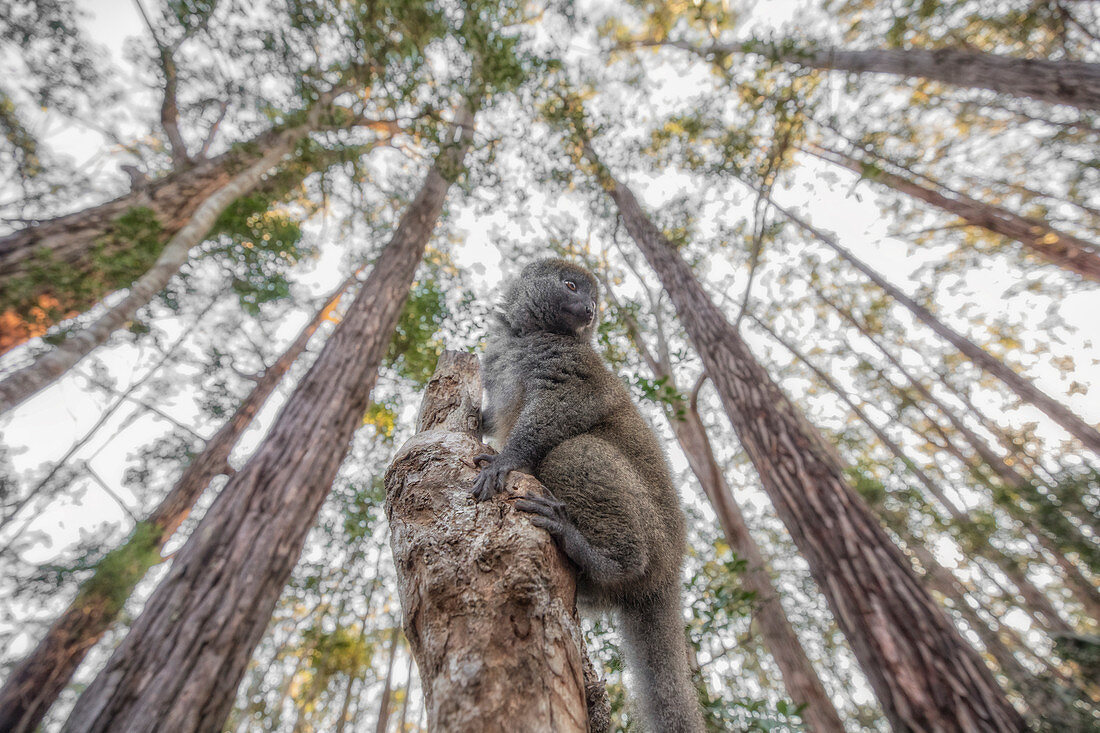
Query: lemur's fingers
x: 542, y: 506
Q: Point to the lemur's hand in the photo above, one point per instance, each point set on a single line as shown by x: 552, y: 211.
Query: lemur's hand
x: 493, y: 476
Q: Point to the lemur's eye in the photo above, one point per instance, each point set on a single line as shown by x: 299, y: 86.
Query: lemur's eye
x: 571, y: 285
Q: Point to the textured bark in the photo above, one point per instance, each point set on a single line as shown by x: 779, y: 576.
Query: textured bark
x: 1039, y: 694
x: 489, y: 600
x: 1074, y: 83
x: 799, y: 677
x: 74, y: 241
x: 1039, y: 237
x: 925, y: 675
x: 172, y: 199
x: 1022, y: 387
x: 23, y: 383
x: 180, y: 665
x: 35, y: 683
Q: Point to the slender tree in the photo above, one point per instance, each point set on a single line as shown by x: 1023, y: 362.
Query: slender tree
x: 925, y: 675
x: 74, y: 261
x: 384, y: 701
x: 1073, y: 83
x: 34, y: 684
x: 1038, y: 236
x: 1023, y: 388
x: 179, y: 666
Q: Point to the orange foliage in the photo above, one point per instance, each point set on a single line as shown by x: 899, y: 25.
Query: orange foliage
x: 16, y: 328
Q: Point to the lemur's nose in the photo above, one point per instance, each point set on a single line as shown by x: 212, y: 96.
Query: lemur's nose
x: 590, y: 309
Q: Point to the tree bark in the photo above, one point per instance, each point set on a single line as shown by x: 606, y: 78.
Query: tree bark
x: 32, y: 302
x: 1023, y: 388
x: 1039, y: 695
x: 1037, y: 236
x: 799, y: 677
x: 179, y: 667
x: 33, y: 686
x: 489, y: 600
x: 926, y: 677
x: 1073, y: 83
x: 72, y: 240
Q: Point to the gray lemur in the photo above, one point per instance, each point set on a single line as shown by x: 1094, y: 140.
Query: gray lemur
x: 560, y: 414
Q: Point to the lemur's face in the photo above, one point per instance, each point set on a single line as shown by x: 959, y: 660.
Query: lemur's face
x: 555, y: 296
x: 576, y: 299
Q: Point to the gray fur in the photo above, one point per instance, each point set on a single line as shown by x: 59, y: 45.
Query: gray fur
x: 561, y: 415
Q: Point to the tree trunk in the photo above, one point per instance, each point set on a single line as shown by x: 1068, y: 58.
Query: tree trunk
x: 799, y: 677
x: 488, y: 599
x: 1073, y: 83
x: 35, y: 683
x: 403, y: 720
x: 384, y: 704
x: 179, y: 667
x: 926, y: 677
x: 1039, y: 237
x: 1039, y: 695
x: 1023, y: 388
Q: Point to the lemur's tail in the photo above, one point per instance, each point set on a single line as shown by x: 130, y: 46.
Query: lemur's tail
x: 656, y: 655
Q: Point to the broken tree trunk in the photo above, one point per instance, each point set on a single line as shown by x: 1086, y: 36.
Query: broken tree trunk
x: 489, y: 600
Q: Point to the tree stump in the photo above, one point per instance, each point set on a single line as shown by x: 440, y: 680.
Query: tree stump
x: 489, y: 601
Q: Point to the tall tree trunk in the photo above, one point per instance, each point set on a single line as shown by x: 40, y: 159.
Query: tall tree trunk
x: 1074, y: 83
x: 402, y: 721
x: 488, y: 599
x: 926, y: 677
x: 33, y: 301
x: 1034, y: 599
x: 179, y: 667
x: 387, y: 688
x: 799, y: 677
x: 23, y: 383
x: 1039, y: 237
x: 1023, y: 388
x: 35, y: 683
